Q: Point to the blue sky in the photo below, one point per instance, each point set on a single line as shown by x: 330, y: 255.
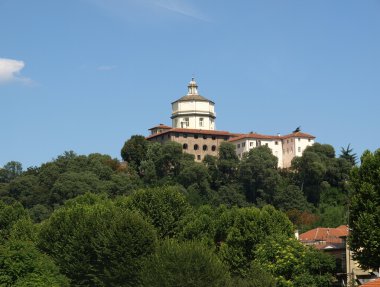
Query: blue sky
x: 85, y: 75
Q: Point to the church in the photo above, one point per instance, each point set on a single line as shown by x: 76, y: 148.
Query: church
x: 193, y: 126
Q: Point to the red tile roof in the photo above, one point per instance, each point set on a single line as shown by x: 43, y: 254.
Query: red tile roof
x: 298, y: 135
x: 194, y: 131
x: 328, y: 235
x: 160, y: 126
x: 254, y: 136
x: 374, y: 283
x: 269, y: 137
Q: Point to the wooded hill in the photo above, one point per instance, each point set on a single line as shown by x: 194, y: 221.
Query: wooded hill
x: 161, y: 219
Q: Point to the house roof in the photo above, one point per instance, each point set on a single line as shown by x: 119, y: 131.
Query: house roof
x: 254, y: 136
x: 161, y: 126
x: 270, y: 137
x: 298, y: 135
x: 374, y: 283
x: 194, y: 131
x: 328, y: 235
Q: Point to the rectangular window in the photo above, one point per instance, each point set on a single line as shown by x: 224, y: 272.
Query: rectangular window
x: 199, y: 157
x: 266, y: 144
x: 299, y: 149
x: 201, y: 122
x: 276, y: 142
x: 251, y: 144
x: 243, y: 144
x: 176, y: 135
x: 308, y: 140
x: 185, y: 135
x: 299, y: 139
x: 186, y: 122
x: 238, y: 146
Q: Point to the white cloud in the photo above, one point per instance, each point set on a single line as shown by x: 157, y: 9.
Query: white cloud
x: 134, y: 9
x: 10, y: 71
x: 181, y: 7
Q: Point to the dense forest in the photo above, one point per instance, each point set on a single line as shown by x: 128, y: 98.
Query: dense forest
x: 158, y: 218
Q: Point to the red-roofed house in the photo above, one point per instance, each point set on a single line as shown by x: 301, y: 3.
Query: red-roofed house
x: 333, y: 241
x: 372, y: 283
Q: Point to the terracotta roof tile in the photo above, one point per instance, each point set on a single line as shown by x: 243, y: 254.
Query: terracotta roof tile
x: 374, y: 283
x: 161, y: 126
x: 298, y: 135
x: 254, y: 136
x: 329, y: 235
x: 194, y: 131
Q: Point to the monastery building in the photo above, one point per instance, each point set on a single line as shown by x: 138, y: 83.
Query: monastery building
x: 193, y: 126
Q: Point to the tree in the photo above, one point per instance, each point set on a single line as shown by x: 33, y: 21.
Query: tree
x: 240, y: 230
x: 364, y: 219
x: 134, y: 150
x: 9, y: 215
x: 169, y: 163
x: 347, y: 154
x: 71, y: 184
x: 189, y: 264
x: 227, y: 162
x: 163, y: 207
x: 96, y: 243
x: 295, y: 265
x: 259, y: 175
x: 10, y: 171
x: 290, y: 198
x: 231, y: 195
x: 255, y: 277
x: 22, y: 264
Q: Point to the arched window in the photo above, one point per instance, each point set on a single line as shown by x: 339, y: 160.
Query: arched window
x: 196, y: 147
x: 213, y: 148
x: 184, y: 146
x: 204, y: 147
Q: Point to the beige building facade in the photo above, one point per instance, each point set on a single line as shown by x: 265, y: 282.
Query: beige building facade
x: 285, y: 148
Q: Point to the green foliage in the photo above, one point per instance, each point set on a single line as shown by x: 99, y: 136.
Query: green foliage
x: 259, y: 175
x: 200, y: 225
x: 96, y: 243
x: 21, y: 264
x: 184, y: 264
x: 293, y: 264
x: 163, y: 207
x: 71, y: 184
x: 255, y: 277
x: 240, y: 230
x: 24, y: 229
x: 26, y: 189
x: 134, y: 150
x: 365, y: 211
x: 10, y: 171
x: 231, y: 195
x: 318, y: 165
x: 169, y: 163
x: 227, y: 163
x: 9, y: 215
x: 347, y: 154
x: 289, y: 198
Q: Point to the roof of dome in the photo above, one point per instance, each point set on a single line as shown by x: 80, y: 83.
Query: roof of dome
x: 192, y: 94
